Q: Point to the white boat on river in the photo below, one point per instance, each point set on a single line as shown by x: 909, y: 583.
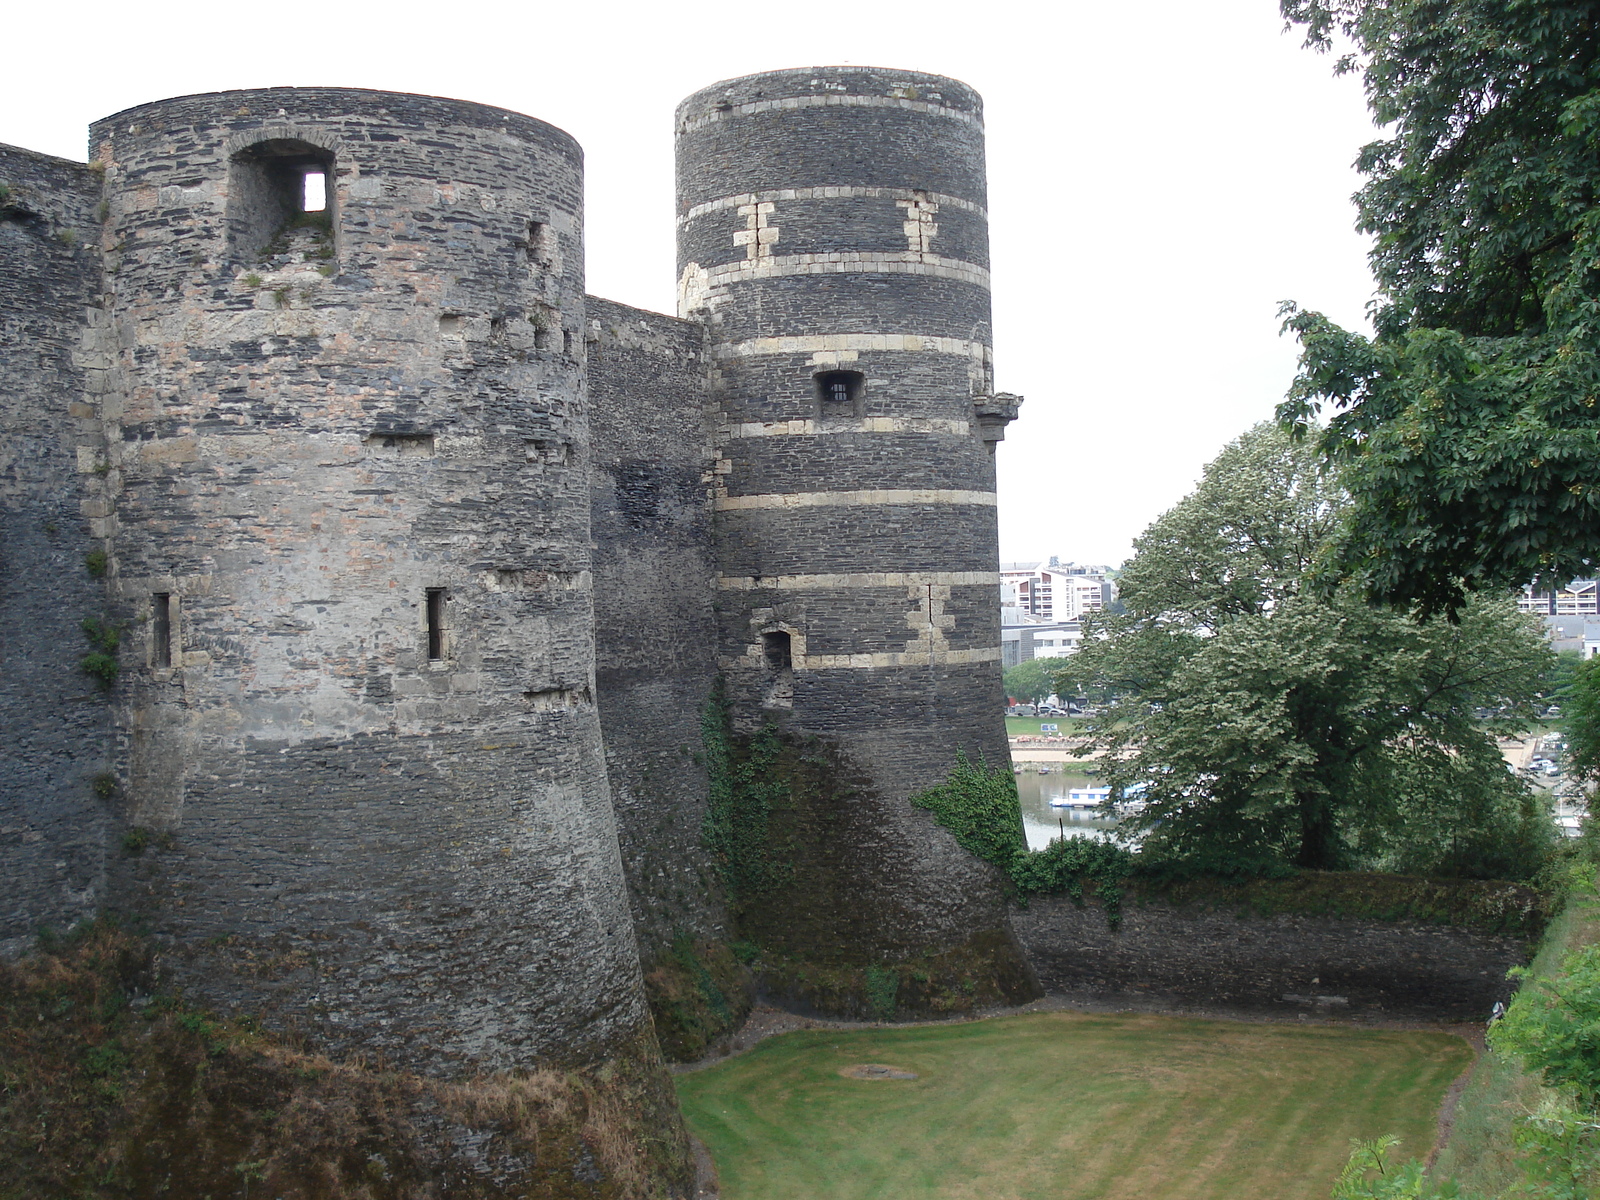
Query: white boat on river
x: 1084, y: 797
x: 1094, y: 797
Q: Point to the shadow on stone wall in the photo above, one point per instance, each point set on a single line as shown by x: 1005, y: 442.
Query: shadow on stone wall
x: 1240, y: 954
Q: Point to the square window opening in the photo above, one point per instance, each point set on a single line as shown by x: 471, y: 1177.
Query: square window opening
x: 279, y: 199
x: 840, y: 393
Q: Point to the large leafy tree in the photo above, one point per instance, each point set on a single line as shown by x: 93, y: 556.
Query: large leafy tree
x: 1581, y: 718
x: 1265, y: 720
x: 1033, y: 680
x: 1469, y: 423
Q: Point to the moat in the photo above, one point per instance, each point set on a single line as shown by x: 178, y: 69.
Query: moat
x: 1043, y: 823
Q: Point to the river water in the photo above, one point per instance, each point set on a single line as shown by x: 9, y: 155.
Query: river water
x: 1042, y: 822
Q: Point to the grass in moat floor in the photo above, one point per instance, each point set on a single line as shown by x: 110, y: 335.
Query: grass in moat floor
x: 1029, y: 726
x: 1066, y: 1106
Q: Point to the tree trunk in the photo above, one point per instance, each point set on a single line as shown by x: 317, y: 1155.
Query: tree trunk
x: 1319, y: 840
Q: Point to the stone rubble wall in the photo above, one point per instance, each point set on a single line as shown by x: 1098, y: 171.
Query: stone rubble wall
x: 1179, y: 956
x: 654, y: 628
x: 387, y: 849
x: 53, y: 825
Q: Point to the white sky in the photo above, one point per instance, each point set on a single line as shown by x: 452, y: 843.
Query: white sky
x: 1161, y: 175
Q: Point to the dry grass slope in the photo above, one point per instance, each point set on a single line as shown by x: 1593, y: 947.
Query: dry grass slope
x: 105, y: 1092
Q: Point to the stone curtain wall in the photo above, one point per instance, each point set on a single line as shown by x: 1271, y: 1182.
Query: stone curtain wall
x: 399, y: 840
x: 654, y: 638
x: 833, y: 220
x: 1165, y: 955
x: 53, y: 826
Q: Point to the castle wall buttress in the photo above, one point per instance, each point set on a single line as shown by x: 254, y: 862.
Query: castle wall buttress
x: 54, y: 763
x: 350, y: 467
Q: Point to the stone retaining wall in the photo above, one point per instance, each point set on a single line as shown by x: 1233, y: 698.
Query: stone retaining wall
x: 1284, y: 963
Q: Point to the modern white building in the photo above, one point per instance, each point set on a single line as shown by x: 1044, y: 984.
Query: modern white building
x: 1056, y: 591
x: 1580, y: 598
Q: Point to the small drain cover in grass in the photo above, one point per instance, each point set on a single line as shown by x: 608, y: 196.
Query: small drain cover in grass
x: 876, y: 1071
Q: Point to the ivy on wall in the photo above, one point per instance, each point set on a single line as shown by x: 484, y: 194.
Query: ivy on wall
x: 978, y: 804
x: 743, y: 787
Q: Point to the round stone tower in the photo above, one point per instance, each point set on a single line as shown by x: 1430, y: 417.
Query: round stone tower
x: 833, y: 235
x: 346, y: 508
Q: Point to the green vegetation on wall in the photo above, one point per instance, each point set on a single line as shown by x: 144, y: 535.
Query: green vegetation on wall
x: 100, y: 663
x: 698, y: 992
x: 743, y: 785
x: 978, y: 805
x: 792, y: 827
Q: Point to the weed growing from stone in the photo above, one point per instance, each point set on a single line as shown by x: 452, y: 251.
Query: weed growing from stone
x: 101, y: 664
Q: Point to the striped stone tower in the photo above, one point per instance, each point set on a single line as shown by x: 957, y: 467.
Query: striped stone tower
x: 833, y: 236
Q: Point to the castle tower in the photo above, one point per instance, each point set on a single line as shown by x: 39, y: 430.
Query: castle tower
x: 345, y: 496
x: 832, y: 234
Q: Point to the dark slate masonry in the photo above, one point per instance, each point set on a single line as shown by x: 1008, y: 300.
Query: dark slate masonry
x: 424, y: 567
x: 833, y: 239
x: 1164, y: 955
x: 53, y: 826
x: 654, y: 633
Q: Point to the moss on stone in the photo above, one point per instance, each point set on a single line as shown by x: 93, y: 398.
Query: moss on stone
x: 797, y: 832
x: 699, y: 992
x: 982, y: 972
x: 144, y: 1097
x: 1486, y: 906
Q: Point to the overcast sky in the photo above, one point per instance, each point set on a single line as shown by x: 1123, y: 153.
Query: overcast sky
x: 1160, y: 176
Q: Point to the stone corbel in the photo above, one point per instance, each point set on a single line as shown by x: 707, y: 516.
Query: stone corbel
x: 994, y: 413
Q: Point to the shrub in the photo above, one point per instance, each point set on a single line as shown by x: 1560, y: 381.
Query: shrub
x: 1555, y: 1027
x: 100, y: 664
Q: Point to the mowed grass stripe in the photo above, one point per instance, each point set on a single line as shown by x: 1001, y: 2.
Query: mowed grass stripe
x: 1066, y: 1106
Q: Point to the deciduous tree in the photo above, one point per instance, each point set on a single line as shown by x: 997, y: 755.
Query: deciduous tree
x: 1265, y: 721
x: 1468, y: 424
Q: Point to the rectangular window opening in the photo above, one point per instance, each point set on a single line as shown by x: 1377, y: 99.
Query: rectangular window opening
x: 161, y: 629
x: 314, y: 198
x: 435, y: 624
x: 541, y: 245
x: 839, y: 393
x: 776, y: 651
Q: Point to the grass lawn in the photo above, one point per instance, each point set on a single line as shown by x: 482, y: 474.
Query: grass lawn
x: 1066, y: 1106
x: 1018, y: 726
